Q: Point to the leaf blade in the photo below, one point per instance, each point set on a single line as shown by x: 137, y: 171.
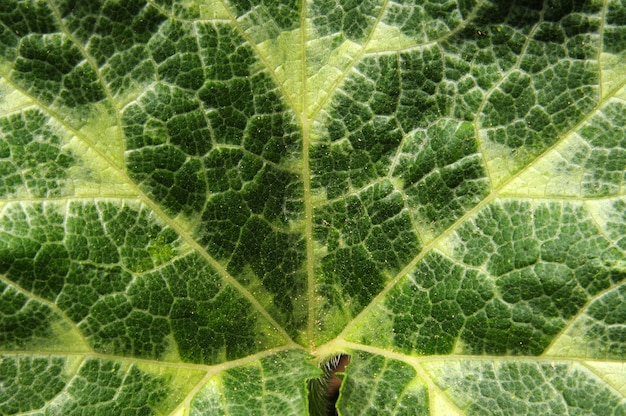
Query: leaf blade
x: 196, y: 196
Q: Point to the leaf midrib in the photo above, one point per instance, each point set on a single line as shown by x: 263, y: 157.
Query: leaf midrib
x: 306, y: 184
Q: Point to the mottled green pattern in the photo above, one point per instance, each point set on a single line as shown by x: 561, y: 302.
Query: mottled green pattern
x: 203, y: 200
x: 518, y: 275
x: 607, y: 334
x: 354, y: 20
x: 29, y: 382
x: 32, y: 160
x: 427, y: 20
x: 117, y: 38
x: 377, y: 385
x: 119, y: 389
x: 526, y: 388
x: 120, y: 278
x: 604, y: 160
x: 24, y: 321
x: 269, y: 386
x: 365, y: 235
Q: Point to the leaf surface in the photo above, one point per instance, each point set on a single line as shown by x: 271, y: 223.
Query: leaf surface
x: 201, y: 201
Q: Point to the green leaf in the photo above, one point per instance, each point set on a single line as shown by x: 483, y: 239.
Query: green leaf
x: 203, y: 201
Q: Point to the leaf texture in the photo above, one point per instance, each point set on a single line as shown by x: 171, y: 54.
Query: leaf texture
x: 203, y: 200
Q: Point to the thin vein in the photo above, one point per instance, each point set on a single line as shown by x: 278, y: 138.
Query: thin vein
x: 601, y: 46
x: 211, y: 369
x: 306, y: 182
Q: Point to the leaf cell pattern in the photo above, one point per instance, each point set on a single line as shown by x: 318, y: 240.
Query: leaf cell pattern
x: 202, y: 200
